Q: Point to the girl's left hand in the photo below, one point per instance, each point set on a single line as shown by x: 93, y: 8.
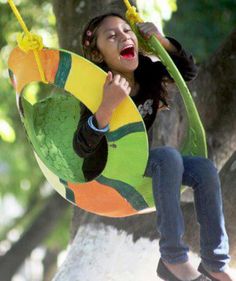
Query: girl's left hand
x: 148, y: 29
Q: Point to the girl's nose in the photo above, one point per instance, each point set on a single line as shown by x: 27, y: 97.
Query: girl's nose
x: 125, y: 36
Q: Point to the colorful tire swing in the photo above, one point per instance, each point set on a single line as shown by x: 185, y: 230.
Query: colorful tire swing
x: 121, y: 189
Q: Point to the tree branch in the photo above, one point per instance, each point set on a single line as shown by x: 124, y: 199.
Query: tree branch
x: 213, y: 91
x: 145, y: 225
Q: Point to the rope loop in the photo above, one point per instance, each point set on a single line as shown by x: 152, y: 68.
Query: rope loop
x: 132, y: 15
x: 29, y: 42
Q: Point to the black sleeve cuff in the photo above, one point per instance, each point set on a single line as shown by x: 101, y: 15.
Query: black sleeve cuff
x: 183, y: 60
x: 86, y: 140
x: 177, y: 45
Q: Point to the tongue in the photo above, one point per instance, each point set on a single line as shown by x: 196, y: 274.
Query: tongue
x: 127, y: 54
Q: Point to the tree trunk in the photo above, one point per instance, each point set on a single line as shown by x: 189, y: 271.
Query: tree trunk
x: 72, y: 16
x: 36, y: 234
x: 98, y: 250
x: 213, y: 90
x: 214, y: 93
x: 145, y: 225
x: 50, y: 264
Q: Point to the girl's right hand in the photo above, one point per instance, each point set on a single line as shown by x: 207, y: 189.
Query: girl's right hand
x: 115, y: 90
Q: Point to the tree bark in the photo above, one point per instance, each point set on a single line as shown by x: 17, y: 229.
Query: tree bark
x: 214, y: 93
x: 144, y: 226
x: 216, y: 99
x: 72, y: 16
x: 50, y: 264
x: 213, y: 90
x: 39, y: 230
x: 88, y: 253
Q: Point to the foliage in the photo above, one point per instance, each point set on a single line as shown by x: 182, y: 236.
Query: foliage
x: 157, y: 11
x: 21, y: 177
x: 16, y: 158
x: 202, y: 25
x: 61, y: 234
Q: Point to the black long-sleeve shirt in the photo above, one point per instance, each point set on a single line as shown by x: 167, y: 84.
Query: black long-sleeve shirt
x: 92, y: 145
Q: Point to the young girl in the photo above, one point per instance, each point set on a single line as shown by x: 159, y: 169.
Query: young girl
x: 109, y: 42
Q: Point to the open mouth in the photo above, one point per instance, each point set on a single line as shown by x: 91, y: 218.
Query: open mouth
x: 128, y: 52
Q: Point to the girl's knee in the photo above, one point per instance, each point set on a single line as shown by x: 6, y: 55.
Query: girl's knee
x: 167, y: 154
x: 206, y: 171
x: 206, y: 165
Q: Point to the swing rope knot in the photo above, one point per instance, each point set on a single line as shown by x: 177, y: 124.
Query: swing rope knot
x: 29, y: 42
x: 132, y: 15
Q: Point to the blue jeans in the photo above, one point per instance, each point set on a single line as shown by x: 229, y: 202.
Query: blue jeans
x: 169, y: 170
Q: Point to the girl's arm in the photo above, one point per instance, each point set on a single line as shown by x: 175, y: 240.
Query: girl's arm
x: 182, y: 59
x: 148, y: 29
x: 86, y: 140
x: 92, y: 128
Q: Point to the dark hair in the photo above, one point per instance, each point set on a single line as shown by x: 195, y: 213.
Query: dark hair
x: 89, y: 47
x: 89, y: 36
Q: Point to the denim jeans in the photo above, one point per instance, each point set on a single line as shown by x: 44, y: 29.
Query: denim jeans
x: 169, y: 170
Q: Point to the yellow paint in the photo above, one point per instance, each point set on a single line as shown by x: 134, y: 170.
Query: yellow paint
x: 77, y: 84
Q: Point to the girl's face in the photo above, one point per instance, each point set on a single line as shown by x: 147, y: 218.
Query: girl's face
x: 118, y: 45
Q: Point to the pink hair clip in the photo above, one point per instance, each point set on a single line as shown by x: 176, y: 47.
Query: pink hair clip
x: 89, y: 33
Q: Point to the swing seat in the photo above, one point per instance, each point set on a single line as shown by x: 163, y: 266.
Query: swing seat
x: 121, y: 189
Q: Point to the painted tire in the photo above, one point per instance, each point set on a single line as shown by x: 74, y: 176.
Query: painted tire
x: 121, y: 189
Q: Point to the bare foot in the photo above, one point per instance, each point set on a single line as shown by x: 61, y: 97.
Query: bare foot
x: 184, y: 271
x: 223, y: 276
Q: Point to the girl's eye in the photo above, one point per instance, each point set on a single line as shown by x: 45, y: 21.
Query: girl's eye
x: 112, y: 36
x: 128, y: 30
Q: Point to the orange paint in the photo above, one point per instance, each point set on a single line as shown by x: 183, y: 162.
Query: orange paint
x: 92, y: 196
x: 25, y: 69
x: 101, y: 199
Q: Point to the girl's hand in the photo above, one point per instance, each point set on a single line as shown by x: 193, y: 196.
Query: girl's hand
x: 115, y: 90
x: 147, y: 29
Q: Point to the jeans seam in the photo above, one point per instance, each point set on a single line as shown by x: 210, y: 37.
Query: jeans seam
x: 154, y: 167
x: 200, y: 183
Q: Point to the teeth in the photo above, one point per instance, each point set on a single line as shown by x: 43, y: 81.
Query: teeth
x: 126, y: 47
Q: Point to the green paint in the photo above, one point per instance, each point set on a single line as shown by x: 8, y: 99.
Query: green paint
x: 145, y: 188
x: 127, y: 191
x: 124, y: 156
x: 50, y: 125
x: 11, y: 75
x: 69, y: 192
x: 195, y: 142
x: 124, y: 130
x: 63, y: 69
x: 70, y: 195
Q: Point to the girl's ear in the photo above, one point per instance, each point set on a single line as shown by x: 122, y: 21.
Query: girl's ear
x: 97, y: 56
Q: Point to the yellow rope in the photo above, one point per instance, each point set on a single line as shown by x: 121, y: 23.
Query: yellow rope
x: 28, y: 41
x: 131, y: 14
